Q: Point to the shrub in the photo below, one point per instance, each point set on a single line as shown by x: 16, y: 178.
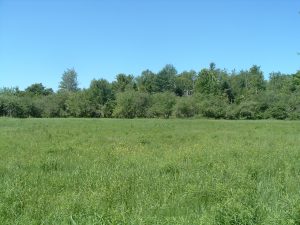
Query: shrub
x: 278, y: 111
x: 186, y: 107
x: 162, y: 105
x: 131, y: 104
x: 248, y: 110
x: 232, y: 112
x: 213, y: 106
x: 12, y: 106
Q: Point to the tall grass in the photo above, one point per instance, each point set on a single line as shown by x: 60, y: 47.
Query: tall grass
x: 109, y: 171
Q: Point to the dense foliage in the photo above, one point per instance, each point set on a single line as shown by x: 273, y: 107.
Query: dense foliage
x: 211, y: 93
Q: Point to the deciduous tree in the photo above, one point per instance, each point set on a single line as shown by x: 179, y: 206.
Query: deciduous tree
x: 69, y: 81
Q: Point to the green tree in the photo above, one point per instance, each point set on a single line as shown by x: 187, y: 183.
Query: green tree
x: 184, y: 83
x: 247, y: 84
x: 279, y: 82
x: 101, y: 91
x: 69, y: 81
x: 256, y: 82
x: 38, y: 89
x: 101, y: 97
x: 227, y: 91
x: 165, y: 80
x: 124, y: 83
x: 296, y: 80
x: 9, y: 91
x: 207, y: 82
x: 146, y: 82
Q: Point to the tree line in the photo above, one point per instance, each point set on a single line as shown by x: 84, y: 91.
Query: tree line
x: 209, y: 93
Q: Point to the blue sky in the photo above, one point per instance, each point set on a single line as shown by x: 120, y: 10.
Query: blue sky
x: 40, y: 39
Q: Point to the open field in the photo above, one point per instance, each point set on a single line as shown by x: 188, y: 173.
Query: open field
x: 109, y: 171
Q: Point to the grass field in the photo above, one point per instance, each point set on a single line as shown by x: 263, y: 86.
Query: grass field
x: 109, y: 171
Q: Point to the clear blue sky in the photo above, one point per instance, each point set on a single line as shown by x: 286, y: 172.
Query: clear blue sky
x: 39, y: 39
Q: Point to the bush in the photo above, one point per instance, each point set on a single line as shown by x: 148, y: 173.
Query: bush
x: 232, y: 112
x: 108, y: 108
x: 51, y: 105
x: 248, y: 110
x: 213, y: 106
x: 78, y: 104
x: 12, y: 106
x: 186, y: 107
x: 162, y: 105
x: 278, y: 111
x: 131, y: 104
x: 34, y: 107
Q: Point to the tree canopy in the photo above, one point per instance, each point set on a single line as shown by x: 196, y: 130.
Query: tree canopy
x: 69, y: 81
x: 211, y: 93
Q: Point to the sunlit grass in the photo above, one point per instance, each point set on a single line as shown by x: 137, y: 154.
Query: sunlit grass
x: 109, y: 171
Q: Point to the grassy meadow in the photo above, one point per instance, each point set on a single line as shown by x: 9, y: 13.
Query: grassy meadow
x: 149, y: 171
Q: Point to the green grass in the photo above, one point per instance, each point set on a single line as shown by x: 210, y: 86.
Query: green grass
x: 109, y: 171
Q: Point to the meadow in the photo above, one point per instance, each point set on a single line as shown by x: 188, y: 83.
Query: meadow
x: 149, y: 171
